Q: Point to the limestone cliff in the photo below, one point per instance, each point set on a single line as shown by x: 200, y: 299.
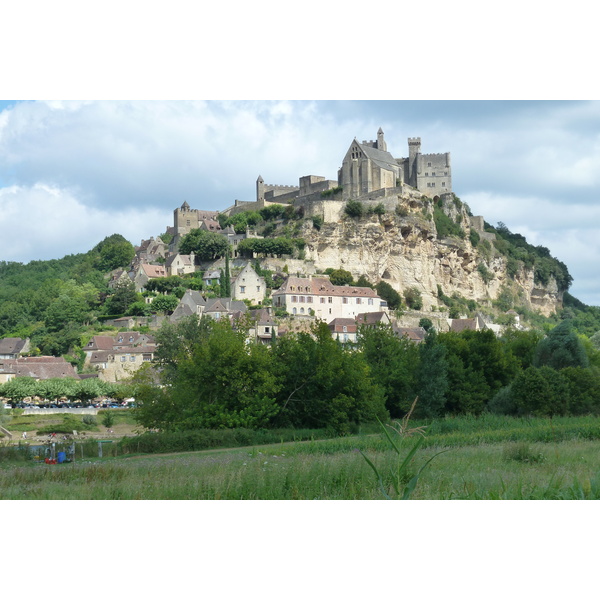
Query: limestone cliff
x: 402, y: 248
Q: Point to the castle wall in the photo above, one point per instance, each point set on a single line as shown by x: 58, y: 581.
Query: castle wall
x: 433, y: 174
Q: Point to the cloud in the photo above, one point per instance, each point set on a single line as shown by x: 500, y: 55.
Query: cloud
x: 571, y: 231
x: 43, y: 222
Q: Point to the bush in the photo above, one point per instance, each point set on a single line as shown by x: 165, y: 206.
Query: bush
x: 413, y: 298
x: 89, y: 420
x: 354, y: 208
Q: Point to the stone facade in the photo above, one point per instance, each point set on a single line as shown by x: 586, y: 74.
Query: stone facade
x: 248, y: 285
x: 317, y: 296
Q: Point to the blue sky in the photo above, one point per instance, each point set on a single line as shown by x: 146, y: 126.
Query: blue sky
x: 72, y: 173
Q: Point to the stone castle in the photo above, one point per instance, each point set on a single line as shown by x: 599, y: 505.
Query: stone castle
x: 368, y: 172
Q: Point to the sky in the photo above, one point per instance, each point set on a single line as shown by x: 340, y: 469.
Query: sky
x: 74, y: 172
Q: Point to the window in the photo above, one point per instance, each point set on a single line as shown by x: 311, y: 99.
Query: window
x: 344, y: 328
x: 292, y: 288
x: 267, y: 330
x: 132, y: 359
x: 242, y: 289
x: 131, y: 338
x: 322, y: 300
x: 370, y: 302
x: 123, y: 358
x: 443, y: 184
x: 329, y: 311
x: 295, y: 310
x: 302, y: 299
x: 188, y: 222
x: 358, y: 301
x: 428, y: 164
x: 294, y: 298
x: 302, y: 310
x: 344, y: 300
x: 330, y: 300
x: 309, y: 299
x: 426, y: 174
x: 433, y: 174
x: 258, y: 288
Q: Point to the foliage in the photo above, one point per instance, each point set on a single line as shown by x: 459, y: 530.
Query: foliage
x: 540, y: 392
x: 485, y: 273
x: 339, y: 276
x: 354, y: 208
x: 445, y: 227
x: 402, y: 479
x: 113, y: 252
x: 164, y: 304
x: 561, y: 348
x: 413, y: 298
x: 474, y: 238
x: 389, y: 294
x: 206, y: 245
x: 108, y: 419
x: 317, y: 222
x: 431, y: 377
x: 279, y: 246
x: 392, y: 361
x: 332, y: 192
x: 123, y: 297
x: 425, y: 323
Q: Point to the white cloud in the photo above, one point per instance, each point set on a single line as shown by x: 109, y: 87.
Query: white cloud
x: 42, y: 222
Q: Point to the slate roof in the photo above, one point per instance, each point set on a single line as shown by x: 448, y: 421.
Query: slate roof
x: 372, y: 318
x: 153, y: 270
x: 338, y: 324
x: 12, y: 345
x: 381, y: 158
x: 459, y: 325
x: 321, y: 286
x: 42, y: 367
x: 414, y: 334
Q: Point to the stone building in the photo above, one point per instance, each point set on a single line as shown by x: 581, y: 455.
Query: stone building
x: 368, y: 167
x: 318, y: 297
x: 248, y: 285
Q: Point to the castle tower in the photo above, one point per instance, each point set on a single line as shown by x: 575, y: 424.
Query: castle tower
x: 414, y: 150
x: 381, y: 145
x: 260, y: 189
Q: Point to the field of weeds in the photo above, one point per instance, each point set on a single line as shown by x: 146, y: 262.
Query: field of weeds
x: 479, y: 459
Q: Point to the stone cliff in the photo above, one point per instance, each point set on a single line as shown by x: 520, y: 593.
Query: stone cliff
x: 402, y: 248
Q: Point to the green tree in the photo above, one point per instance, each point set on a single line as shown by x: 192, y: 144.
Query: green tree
x: 221, y: 382
x: 392, y: 362
x: 389, y: 294
x: 323, y: 384
x: 340, y: 277
x: 540, y: 392
x: 206, y: 245
x: 114, y: 252
x: 431, y: 377
x: 354, y: 208
x: 561, y: 348
x: 164, y: 304
x: 413, y: 298
x: 124, y: 296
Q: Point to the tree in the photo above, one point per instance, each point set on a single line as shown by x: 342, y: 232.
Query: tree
x: 216, y: 380
x: 389, y: 294
x: 164, y: 304
x: 561, y: 348
x: 392, y: 362
x: 114, y: 252
x: 123, y: 297
x: 413, y: 298
x: 340, y: 277
x: 431, y: 378
x: 540, y: 392
x: 324, y: 385
x: 425, y: 323
x: 206, y: 245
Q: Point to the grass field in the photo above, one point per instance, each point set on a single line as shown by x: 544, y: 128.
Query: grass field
x: 485, y: 458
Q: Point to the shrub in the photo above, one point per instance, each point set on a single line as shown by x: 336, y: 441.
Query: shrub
x: 523, y: 452
x: 413, y: 298
x: 485, y: 273
x: 317, y: 221
x: 354, y: 208
x: 474, y: 238
x: 89, y: 420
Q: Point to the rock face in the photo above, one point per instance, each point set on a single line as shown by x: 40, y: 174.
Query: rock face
x: 401, y: 247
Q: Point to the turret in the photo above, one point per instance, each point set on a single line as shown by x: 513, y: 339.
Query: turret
x: 381, y: 145
x: 260, y: 189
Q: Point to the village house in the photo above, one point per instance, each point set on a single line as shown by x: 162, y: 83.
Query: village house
x: 248, y: 285
x: 180, y: 264
x: 144, y: 273
x: 36, y: 367
x: 318, y: 297
x: 263, y: 328
x: 344, y: 330
x: 120, y: 356
x: 13, y: 347
x: 211, y: 277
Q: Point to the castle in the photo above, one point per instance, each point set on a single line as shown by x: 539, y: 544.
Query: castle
x: 368, y: 170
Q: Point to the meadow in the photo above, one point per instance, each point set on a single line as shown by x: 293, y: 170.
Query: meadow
x: 472, y: 458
